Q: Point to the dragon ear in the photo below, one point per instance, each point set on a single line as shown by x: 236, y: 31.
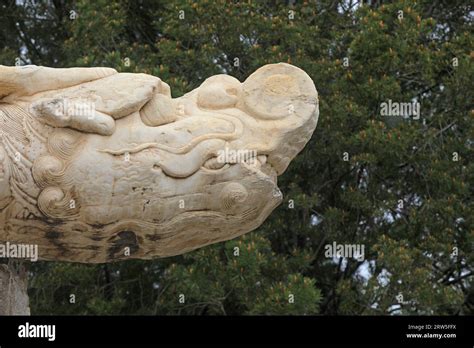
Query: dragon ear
x: 276, y: 91
x: 28, y: 80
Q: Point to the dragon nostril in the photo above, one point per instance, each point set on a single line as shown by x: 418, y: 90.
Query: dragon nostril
x: 232, y: 195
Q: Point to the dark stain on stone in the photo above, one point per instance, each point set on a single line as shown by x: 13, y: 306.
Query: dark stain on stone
x: 120, y: 241
x: 100, y: 226
x: 54, y: 238
x: 153, y: 237
x: 53, y: 235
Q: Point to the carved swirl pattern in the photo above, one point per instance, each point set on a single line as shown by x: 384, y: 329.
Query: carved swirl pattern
x: 57, y: 199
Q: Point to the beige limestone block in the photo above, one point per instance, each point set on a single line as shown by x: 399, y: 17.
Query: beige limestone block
x: 98, y: 166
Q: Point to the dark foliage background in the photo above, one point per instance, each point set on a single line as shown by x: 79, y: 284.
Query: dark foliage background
x: 402, y: 193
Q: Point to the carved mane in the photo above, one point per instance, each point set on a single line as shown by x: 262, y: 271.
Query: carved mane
x: 37, y: 156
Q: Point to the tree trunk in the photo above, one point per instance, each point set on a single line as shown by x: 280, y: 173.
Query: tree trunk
x: 13, y: 289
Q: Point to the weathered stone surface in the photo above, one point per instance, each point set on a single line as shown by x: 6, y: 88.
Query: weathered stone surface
x: 97, y: 166
x: 13, y: 295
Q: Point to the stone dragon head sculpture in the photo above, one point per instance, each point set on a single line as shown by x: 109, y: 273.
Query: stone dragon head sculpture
x: 95, y: 163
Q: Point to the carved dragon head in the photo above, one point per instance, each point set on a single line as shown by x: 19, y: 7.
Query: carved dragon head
x: 110, y: 163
